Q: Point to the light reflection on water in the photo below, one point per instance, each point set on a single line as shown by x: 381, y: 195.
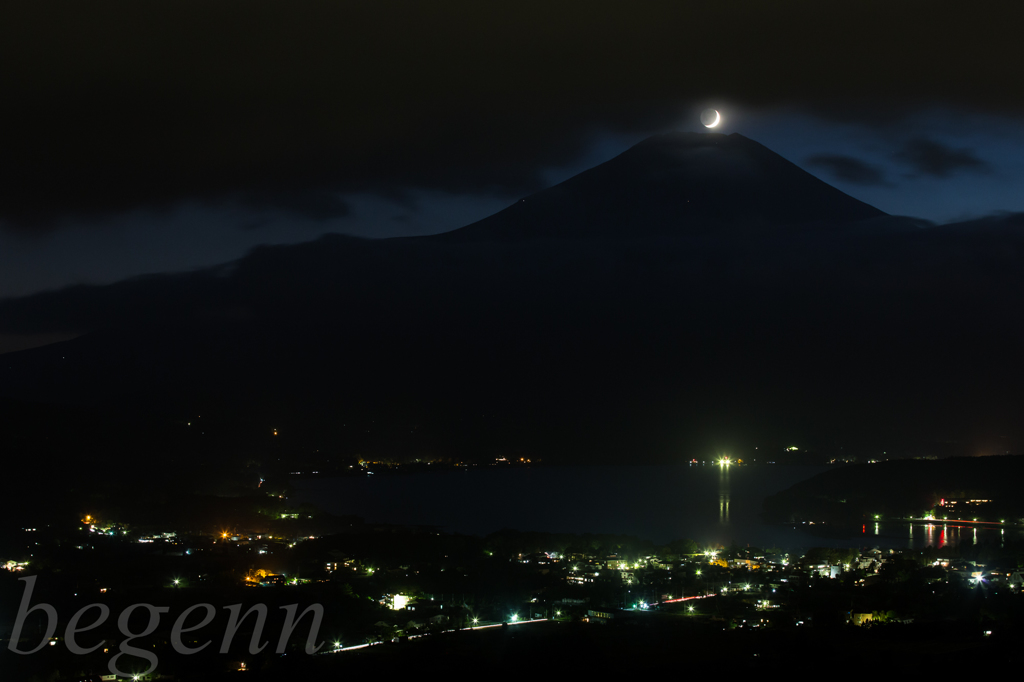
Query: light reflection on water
x: 723, y: 495
x: 712, y: 505
x: 919, y: 534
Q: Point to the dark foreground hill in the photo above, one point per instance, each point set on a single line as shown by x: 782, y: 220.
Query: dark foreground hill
x: 669, y: 335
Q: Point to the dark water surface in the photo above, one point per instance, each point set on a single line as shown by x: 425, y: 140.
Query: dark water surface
x: 710, y: 505
x: 660, y: 503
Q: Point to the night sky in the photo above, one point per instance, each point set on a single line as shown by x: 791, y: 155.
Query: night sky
x: 142, y: 137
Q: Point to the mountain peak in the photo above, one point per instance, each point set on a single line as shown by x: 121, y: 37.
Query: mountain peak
x: 676, y: 183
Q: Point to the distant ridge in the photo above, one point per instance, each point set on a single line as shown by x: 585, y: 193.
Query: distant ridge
x: 856, y: 493
x: 671, y: 184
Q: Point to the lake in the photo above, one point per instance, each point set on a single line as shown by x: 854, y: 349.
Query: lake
x: 707, y: 504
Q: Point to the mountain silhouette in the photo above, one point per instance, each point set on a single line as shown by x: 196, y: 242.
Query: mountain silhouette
x: 672, y: 184
x: 696, y: 294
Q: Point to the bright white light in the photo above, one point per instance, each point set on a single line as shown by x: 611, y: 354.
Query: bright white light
x: 710, y: 118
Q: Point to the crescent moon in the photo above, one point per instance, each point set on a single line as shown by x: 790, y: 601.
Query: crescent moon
x: 718, y: 119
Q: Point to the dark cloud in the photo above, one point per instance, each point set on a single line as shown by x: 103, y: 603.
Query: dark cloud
x: 311, y: 204
x: 145, y: 105
x: 254, y: 224
x: 849, y: 169
x: 937, y: 160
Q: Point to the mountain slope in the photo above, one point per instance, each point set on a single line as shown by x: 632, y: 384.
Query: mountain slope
x: 676, y: 184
